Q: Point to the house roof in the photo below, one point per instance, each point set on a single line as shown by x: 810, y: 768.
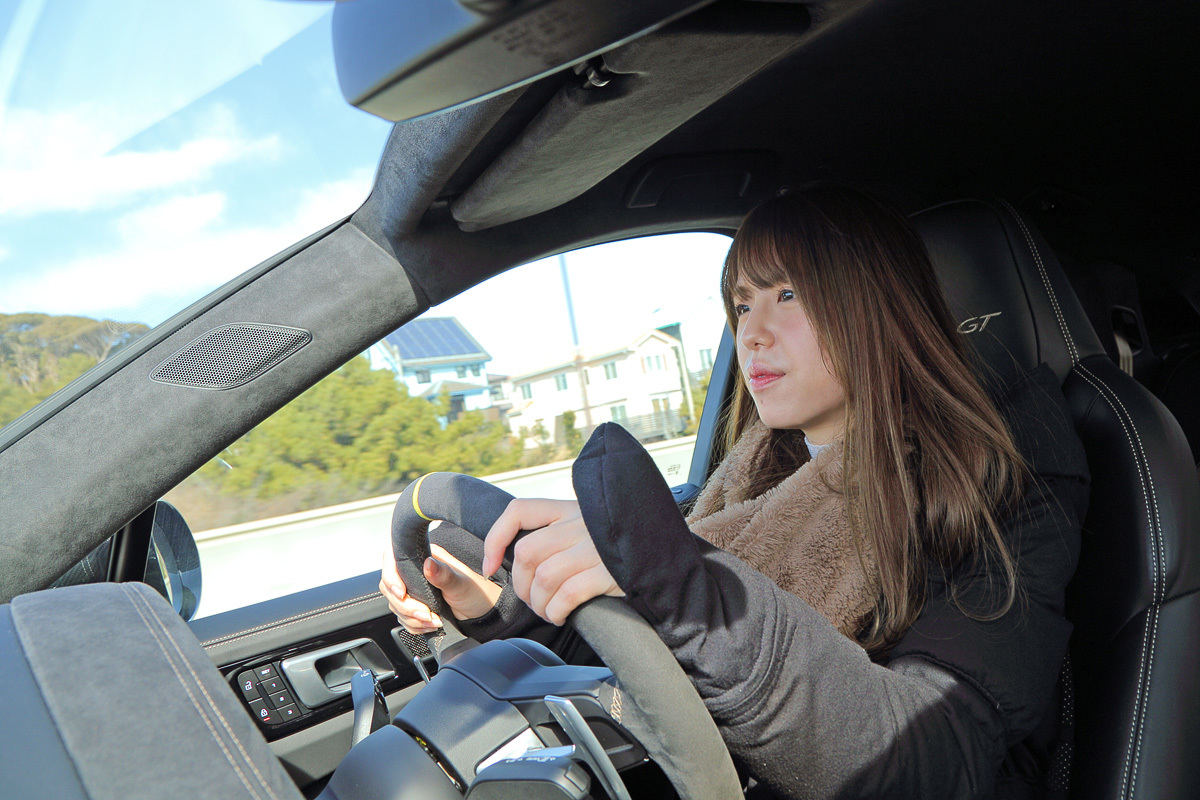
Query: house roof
x: 429, y: 340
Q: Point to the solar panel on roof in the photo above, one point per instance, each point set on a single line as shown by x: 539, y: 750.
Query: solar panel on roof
x: 432, y: 338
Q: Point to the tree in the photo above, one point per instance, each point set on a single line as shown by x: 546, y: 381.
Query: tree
x: 41, y: 353
x: 355, y: 434
x: 699, y: 392
x: 572, y: 437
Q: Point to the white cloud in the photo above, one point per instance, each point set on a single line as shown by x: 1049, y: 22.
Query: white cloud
x: 4, y: 252
x: 63, y: 161
x: 180, y: 216
x: 173, y: 252
x: 322, y: 205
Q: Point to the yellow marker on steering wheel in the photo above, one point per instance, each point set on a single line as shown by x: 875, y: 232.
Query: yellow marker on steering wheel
x: 416, y: 491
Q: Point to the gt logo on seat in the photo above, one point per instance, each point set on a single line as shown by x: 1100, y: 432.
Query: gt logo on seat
x: 976, y: 324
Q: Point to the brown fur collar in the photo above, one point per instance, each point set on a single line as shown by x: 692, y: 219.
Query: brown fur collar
x: 796, y: 533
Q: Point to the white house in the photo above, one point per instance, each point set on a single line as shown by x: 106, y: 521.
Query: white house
x: 437, y: 356
x: 643, y: 386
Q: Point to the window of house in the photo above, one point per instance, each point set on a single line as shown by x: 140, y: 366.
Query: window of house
x: 361, y: 435
x: 461, y: 371
x: 475, y: 369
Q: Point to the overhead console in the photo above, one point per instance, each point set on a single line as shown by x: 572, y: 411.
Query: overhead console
x: 629, y: 74
x: 644, y: 90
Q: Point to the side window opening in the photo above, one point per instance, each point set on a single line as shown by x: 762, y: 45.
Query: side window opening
x: 509, y: 398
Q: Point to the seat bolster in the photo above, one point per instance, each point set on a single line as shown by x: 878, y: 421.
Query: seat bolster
x: 137, y: 703
x: 33, y: 760
x: 1135, y: 598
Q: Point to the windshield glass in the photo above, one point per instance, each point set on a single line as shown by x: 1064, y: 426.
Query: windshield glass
x: 150, y: 152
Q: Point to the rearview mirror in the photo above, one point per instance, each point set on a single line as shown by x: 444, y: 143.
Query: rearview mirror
x: 400, y: 60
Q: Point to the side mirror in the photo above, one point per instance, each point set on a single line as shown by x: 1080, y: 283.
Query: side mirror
x: 173, y: 561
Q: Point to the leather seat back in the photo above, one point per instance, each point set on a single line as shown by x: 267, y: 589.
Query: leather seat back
x: 1134, y: 602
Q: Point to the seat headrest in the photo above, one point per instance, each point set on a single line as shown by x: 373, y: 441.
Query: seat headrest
x: 1006, y: 288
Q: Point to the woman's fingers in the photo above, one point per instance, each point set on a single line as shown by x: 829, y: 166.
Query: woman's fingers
x: 522, y: 515
x: 553, y: 572
x: 557, y: 568
x: 468, y: 593
x: 390, y: 583
x: 577, y: 590
x: 414, y: 615
x: 532, y: 553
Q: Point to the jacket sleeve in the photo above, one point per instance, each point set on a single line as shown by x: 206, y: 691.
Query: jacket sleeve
x: 804, y: 708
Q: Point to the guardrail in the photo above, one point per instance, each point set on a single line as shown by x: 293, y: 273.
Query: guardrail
x: 255, y: 561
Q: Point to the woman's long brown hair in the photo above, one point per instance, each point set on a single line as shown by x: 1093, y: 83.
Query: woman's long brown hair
x: 929, y: 464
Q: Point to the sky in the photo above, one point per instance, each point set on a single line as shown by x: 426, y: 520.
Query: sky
x: 151, y: 151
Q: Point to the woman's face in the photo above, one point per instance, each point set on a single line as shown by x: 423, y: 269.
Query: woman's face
x: 783, y: 365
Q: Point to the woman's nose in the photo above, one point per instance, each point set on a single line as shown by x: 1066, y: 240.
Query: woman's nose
x: 754, y: 331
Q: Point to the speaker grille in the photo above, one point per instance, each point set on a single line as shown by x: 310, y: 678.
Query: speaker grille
x: 230, y: 356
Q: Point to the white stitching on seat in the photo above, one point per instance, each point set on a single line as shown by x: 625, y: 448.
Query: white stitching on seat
x: 1157, y: 544
x: 131, y: 595
x: 212, y: 704
x: 1037, y: 257
x: 283, y: 623
x: 1158, y: 597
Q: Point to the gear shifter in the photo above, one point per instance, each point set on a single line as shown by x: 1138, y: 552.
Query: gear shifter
x: 370, y: 706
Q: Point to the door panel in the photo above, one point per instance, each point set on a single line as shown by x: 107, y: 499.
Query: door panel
x: 252, y: 643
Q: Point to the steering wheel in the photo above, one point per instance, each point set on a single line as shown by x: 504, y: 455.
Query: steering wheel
x: 668, y: 718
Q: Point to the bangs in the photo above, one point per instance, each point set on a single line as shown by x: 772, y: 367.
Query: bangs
x: 755, y: 258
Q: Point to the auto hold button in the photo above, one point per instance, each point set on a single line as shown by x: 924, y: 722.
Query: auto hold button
x: 264, y: 714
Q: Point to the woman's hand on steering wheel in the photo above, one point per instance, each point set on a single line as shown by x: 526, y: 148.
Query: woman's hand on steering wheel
x: 468, y: 593
x: 556, y: 567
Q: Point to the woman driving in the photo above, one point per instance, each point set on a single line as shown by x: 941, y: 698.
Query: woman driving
x: 868, y: 594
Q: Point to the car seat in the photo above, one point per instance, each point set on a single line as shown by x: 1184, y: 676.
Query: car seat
x: 1133, y: 600
x: 1109, y: 295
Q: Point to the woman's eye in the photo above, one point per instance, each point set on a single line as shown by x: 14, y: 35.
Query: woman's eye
x: 740, y: 309
x: 786, y: 294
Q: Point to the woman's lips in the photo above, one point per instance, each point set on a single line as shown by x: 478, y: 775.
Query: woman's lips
x: 761, y: 379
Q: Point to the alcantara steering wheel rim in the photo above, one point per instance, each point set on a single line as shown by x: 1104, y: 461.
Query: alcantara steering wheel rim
x: 665, y: 714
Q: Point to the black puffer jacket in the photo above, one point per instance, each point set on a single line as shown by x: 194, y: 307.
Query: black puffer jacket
x: 961, y: 708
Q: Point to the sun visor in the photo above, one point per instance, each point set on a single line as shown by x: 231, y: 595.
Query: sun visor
x: 640, y: 93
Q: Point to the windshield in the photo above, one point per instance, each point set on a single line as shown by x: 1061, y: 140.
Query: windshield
x: 150, y: 152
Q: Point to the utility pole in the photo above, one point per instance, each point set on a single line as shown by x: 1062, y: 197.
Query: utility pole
x: 675, y: 331
x: 580, y: 373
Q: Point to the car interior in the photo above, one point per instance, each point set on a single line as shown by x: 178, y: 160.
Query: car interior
x: 1046, y: 154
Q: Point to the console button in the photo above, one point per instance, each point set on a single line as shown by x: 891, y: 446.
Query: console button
x: 270, y: 686
x: 280, y: 699
x: 288, y: 712
x: 265, y: 671
x: 246, y: 682
x: 264, y: 714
